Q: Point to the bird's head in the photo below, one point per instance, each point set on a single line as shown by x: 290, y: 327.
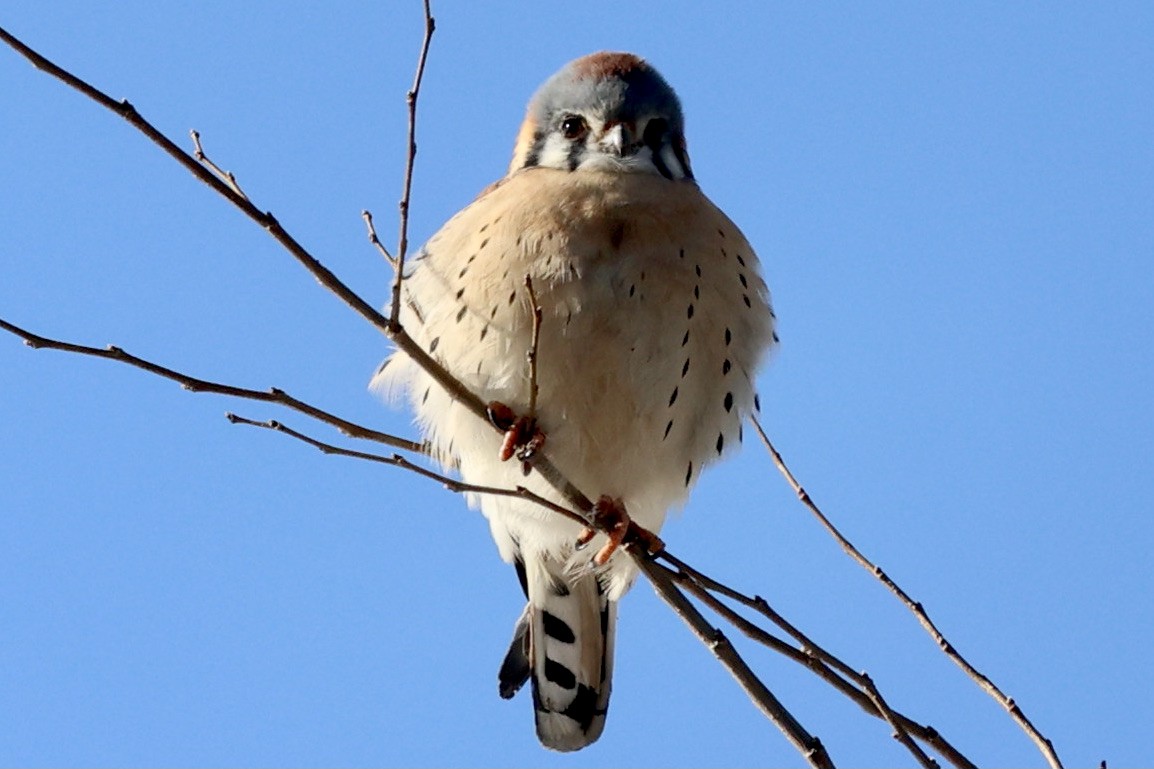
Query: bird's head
x: 605, y: 112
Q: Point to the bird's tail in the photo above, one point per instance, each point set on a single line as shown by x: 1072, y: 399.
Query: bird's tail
x: 563, y: 643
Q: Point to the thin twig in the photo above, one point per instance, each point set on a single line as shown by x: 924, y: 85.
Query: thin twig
x: 265, y: 219
x: 1044, y: 745
x: 368, y: 217
x: 900, y: 733
x: 410, y: 159
x: 225, y: 176
x: 396, y: 460
x: 533, y: 347
x: 196, y: 385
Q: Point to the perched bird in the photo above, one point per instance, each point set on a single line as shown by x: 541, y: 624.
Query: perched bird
x: 654, y: 319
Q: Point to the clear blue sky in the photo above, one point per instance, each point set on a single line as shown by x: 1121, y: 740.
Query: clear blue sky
x: 956, y: 215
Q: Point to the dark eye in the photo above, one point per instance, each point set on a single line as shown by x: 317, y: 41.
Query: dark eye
x: 655, y: 132
x: 573, y: 127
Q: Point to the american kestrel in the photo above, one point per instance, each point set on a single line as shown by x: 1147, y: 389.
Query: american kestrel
x: 654, y: 321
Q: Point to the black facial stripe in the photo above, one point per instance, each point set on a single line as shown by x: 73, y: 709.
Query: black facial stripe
x: 659, y: 163
x: 534, y: 156
x: 576, y: 150
x: 683, y: 160
x: 654, y: 137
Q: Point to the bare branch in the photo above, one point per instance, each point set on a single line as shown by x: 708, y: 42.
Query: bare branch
x: 368, y: 217
x: 396, y: 460
x: 856, y: 686
x: 1044, y: 745
x: 410, y: 159
x: 265, y: 219
x: 193, y: 384
x: 901, y: 734
x: 809, y: 746
x: 225, y: 176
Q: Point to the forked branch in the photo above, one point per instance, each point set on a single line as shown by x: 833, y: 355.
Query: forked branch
x: 196, y: 385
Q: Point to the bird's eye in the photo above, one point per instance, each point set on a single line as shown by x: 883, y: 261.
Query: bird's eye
x: 574, y: 127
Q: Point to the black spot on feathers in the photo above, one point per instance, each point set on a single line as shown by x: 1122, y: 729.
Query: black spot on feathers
x: 557, y: 628
x: 559, y: 674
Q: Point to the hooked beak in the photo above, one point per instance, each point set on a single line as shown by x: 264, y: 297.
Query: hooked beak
x: 617, y: 141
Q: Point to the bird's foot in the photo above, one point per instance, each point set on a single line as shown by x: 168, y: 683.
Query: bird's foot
x: 609, y: 515
x: 523, y: 437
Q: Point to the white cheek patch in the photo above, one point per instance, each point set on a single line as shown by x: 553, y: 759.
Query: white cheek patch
x: 555, y: 152
x: 673, y: 163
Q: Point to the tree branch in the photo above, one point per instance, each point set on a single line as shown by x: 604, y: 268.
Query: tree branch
x: 809, y: 746
x: 396, y: 460
x: 410, y: 160
x: 856, y: 686
x: 193, y: 384
x: 1044, y: 745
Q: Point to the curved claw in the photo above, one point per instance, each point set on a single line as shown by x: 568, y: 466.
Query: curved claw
x: 610, y: 516
x: 523, y: 437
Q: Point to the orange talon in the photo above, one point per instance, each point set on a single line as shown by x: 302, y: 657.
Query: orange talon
x: 585, y: 537
x: 522, y: 436
x: 609, y: 516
